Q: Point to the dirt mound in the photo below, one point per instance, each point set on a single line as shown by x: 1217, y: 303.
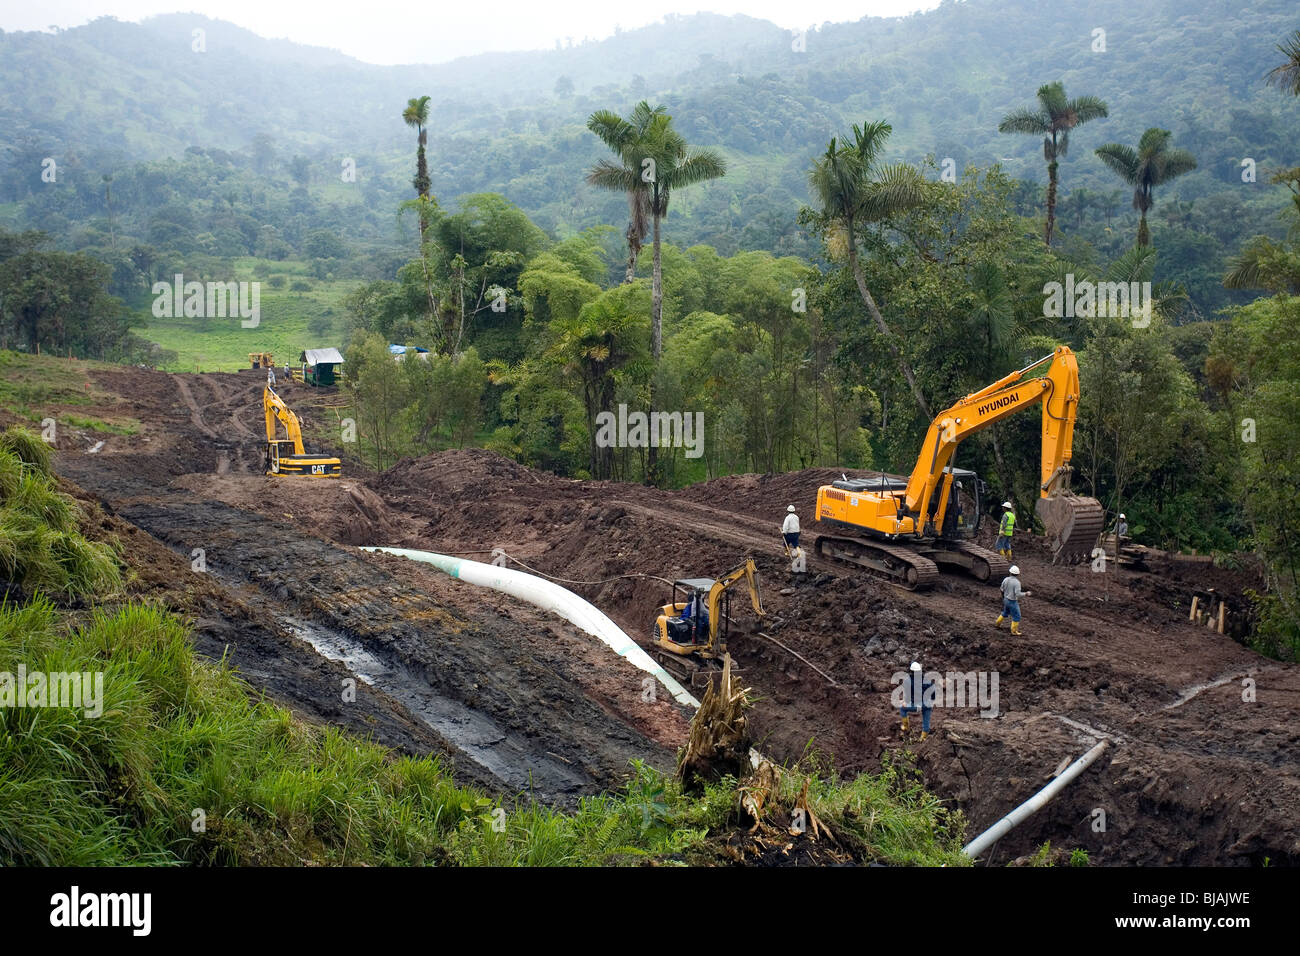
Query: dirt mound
x: 1195, y: 719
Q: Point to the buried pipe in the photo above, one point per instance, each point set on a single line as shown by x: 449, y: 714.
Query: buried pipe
x: 1031, y: 806
x: 550, y: 597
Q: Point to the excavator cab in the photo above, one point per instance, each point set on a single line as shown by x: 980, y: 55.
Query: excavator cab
x: 691, y: 631
x: 966, y: 497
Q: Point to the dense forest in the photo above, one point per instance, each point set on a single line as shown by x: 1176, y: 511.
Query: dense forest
x: 241, y: 149
x: 816, y: 250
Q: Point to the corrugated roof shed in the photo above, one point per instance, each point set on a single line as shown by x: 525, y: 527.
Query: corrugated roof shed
x: 322, y: 357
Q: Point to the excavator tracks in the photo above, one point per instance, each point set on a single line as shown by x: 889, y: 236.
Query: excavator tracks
x: 898, y: 565
x: 980, y: 563
x: 1072, y: 526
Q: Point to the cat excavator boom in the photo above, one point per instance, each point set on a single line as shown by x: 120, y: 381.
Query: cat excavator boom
x: 907, y: 528
x: 286, y: 456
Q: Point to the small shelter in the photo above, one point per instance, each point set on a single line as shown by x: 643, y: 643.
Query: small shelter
x: 319, y: 366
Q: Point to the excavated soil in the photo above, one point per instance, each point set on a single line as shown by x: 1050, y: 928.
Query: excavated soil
x: 1204, y: 746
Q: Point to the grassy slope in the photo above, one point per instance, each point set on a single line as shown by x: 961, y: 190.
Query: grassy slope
x: 36, y: 387
x: 222, y: 345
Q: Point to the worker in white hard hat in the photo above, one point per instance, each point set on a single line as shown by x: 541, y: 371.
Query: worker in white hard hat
x: 1012, y: 592
x: 1121, y: 526
x: 790, y: 528
x: 915, y: 691
x: 1005, y: 528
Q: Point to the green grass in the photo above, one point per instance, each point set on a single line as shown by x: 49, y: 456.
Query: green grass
x: 128, y: 426
x: 31, y: 384
x: 40, y: 545
x: 222, y: 345
x: 185, y: 765
x: 36, y: 387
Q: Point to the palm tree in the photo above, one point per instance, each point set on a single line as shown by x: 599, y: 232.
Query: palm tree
x: 655, y: 162
x: 417, y: 114
x: 1287, y: 76
x: 852, y: 188
x: 619, y: 135
x: 1053, y: 120
x: 1152, y: 164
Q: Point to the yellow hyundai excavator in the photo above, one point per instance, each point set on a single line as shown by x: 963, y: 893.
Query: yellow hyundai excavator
x: 285, y: 456
x: 905, y: 530
x: 691, y: 631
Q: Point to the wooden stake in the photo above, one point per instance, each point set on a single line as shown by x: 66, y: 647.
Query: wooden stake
x: 1192, y: 616
x: 1222, y: 615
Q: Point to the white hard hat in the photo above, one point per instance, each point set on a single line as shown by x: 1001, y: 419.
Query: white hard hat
x: 789, y: 508
x: 1015, y: 569
x: 1006, y: 504
x: 1121, y: 514
x: 915, y: 666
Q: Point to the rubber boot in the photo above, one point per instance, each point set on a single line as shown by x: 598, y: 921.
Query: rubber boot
x: 1015, y: 628
x: 998, y: 622
x: 924, y: 735
x: 904, y: 725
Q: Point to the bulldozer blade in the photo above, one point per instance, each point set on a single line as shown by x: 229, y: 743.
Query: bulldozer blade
x: 1072, y: 525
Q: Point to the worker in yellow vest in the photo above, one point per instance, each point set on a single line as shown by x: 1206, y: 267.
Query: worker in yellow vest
x: 1005, y: 529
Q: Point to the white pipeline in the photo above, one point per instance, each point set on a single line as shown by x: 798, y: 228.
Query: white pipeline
x: 551, y: 597
x: 1032, y: 805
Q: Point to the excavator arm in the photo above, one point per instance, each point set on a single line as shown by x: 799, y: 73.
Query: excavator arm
x: 1068, y: 519
x: 746, y: 572
x: 275, y: 408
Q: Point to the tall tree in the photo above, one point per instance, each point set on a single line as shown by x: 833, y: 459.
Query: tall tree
x: 416, y: 114
x: 1152, y: 164
x: 662, y: 162
x: 620, y: 135
x: 853, y: 189
x: 1053, y: 119
x: 1286, y: 76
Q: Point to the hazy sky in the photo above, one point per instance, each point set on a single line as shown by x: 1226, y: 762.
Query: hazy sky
x: 406, y: 31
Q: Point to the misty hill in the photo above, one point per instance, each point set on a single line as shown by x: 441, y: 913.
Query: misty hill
x: 249, y: 120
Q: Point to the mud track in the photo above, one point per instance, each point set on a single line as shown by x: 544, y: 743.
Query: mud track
x: 1205, y: 767
x: 521, y: 701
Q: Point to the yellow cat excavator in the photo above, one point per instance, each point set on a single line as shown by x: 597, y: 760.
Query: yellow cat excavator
x: 285, y: 456
x: 906, y: 529
x: 690, y: 633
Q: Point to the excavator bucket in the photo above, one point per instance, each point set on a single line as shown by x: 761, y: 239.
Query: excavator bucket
x: 1072, y: 526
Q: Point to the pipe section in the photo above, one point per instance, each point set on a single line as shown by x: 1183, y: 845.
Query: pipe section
x: 1032, y: 805
x: 550, y: 597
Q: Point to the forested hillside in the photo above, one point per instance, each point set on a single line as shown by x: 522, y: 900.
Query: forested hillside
x: 240, y: 149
